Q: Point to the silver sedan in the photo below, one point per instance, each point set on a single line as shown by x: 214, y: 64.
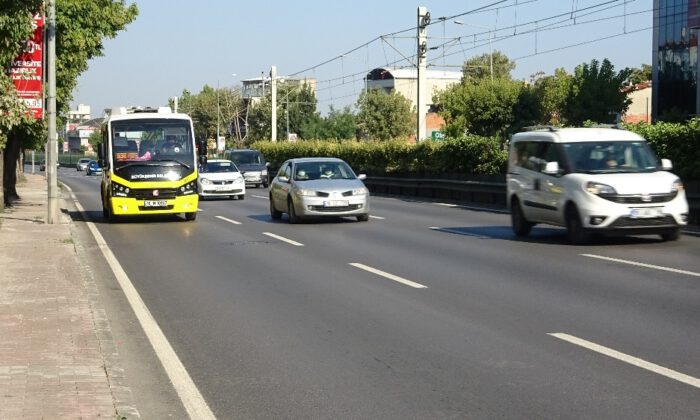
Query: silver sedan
x: 307, y: 187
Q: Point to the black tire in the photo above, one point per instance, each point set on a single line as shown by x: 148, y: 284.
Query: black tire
x: 521, y: 226
x: 363, y: 218
x: 241, y: 197
x: 575, y: 232
x: 293, y: 218
x: 191, y: 216
x: 672, y: 235
x: 276, y: 215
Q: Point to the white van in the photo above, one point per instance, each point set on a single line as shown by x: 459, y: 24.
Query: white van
x: 592, y: 180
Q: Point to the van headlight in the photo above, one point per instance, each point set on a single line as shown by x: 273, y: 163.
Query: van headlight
x: 677, y: 186
x: 599, y: 189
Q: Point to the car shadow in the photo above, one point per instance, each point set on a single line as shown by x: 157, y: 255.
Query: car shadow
x: 543, y: 235
x: 266, y: 218
x: 97, y: 218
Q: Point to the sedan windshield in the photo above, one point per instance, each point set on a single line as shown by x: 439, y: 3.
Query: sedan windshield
x: 211, y: 167
x: 608, y: 157
x: 309, y: 171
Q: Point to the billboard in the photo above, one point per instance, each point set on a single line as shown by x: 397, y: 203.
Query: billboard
x: 26, y: 70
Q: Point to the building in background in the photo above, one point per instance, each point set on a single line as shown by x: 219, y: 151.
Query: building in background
x: 640, y: 107
x: 675, y: 60
x: 403, y: 81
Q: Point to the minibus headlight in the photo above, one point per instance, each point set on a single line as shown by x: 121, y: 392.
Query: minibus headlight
x: 599, y: 189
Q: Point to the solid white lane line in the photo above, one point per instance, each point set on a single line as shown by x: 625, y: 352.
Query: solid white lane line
x: 376, y: 217
x: 458, y: 232
x: 446, y: 204
x: 660, y: 370
x: 389, y: 276
x: 283, y: 239
x: 190, y: 396
x: 638, y: 264
x: 226, y: 219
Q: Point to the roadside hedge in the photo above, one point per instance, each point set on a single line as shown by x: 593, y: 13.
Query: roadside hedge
x: 679, y: 142
x: 465, y: 155
x: 676, y: 141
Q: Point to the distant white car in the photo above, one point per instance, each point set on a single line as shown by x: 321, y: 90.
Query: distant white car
x: 220, y: 177
x: 82, y: 164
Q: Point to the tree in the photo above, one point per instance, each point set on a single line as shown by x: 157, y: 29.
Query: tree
x: 596, y: 93
x: 481, y: 107
x: 383, y: 115
x: 479, y: 67
x: 298, y: 101
x: 553, y: 92
x: 81, y: 25
x: 338, y: 124
x: 640, y: 75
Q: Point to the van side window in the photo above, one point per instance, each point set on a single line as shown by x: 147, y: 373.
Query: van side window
x: 550, y: 153
x: 527, y: 155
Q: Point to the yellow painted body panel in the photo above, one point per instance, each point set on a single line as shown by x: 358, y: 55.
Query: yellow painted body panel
x: 122, y: 206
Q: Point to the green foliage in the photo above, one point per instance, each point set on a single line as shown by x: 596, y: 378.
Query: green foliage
x: 94, y: 139
x: 336, y: 125
x: 299, y: 101
x: 479, y: 67
x: 481, y: 107
x: 596, y: 93
x: 639, y: 75
x: 384, y: 116
x: 553, y: 92
x: 465, y: 155
x: 204, y: 106
x: 679, y: 142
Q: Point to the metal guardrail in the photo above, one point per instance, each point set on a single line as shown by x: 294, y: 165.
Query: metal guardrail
x: 491, y: 193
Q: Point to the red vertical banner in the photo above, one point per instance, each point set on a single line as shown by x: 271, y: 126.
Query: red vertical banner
x: 27, y: 69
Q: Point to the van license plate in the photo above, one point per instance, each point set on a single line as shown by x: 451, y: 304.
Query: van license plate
x: 155, y: 203
x: 645, y: 212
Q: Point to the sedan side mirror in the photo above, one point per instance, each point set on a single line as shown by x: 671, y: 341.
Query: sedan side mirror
x: 362, y: 177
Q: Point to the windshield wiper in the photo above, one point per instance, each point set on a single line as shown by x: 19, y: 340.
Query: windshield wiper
x: 173, y: 160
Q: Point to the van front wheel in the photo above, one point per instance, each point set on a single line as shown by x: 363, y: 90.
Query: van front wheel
x: 575, y: 232
x: 521, y: 227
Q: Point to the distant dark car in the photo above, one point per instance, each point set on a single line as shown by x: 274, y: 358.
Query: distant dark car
x: 93, y: 168
x: 252, y: 165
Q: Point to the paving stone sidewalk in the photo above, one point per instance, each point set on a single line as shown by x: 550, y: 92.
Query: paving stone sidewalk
x: 56, y: 353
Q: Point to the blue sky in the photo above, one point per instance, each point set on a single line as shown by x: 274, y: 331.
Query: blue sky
x: 182, y: 44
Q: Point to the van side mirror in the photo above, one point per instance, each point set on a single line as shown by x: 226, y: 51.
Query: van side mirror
x: 551, y: 168
x: 666, y: 165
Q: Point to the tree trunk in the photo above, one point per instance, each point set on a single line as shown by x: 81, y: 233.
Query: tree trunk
x: 2, y: 183
x: 10, y: 156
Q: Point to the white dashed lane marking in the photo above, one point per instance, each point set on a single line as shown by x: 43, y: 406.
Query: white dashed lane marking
x: 283, y: 239
x: 389, y: 276
x: 639, y: 264
x: 226, y: 219
x: 635, y: 361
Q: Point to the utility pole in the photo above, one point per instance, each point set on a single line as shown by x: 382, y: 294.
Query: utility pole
x: 52, y: 144
x: 422, y: 45
x: 273, y: 86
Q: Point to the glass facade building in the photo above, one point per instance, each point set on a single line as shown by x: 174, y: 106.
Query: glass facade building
x: 675, y: 59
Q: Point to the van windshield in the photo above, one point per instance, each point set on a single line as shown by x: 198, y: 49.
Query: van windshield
x: 610, y: 157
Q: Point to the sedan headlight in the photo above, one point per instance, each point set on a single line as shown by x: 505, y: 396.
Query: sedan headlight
x: 677, y: 186
x: 304, y: 192
x: 599, y: 189
x: 238, y: 180
x: 204, y: 181
x: 359, y: 191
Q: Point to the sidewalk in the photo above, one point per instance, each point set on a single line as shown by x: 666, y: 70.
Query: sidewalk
x: 56, y: 350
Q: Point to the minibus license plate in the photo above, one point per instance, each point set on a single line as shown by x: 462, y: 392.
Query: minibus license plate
x: 155, y: 203
x: 645, y: 212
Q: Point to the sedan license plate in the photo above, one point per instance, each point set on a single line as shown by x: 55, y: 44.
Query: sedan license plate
x: 645, y: 212
x: 335, y: 203
x: 155, y: 203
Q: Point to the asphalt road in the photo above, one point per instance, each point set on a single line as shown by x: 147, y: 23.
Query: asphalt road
x: 425, y: 311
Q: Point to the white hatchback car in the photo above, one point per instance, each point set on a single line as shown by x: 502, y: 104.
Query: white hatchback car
x: 592, y: 180
x: 220, y: 177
